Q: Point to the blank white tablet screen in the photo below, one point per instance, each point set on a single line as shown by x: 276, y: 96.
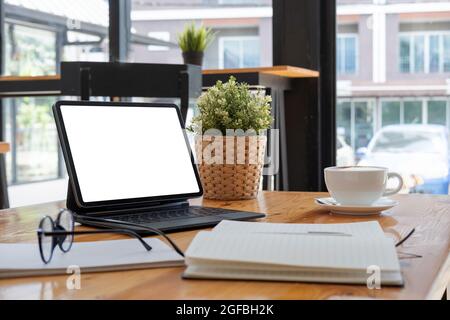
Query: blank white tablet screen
x: 128, y: 152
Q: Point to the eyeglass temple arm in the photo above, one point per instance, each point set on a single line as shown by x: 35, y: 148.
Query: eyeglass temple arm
x: 143, y: 228
x: 162, y: 234
x: 405, y: 238
x: 126, y: 232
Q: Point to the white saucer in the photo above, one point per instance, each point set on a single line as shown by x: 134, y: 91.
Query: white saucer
x: 376, y: 208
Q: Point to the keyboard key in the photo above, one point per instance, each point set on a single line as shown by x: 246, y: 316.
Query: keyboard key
x: 155, y: 216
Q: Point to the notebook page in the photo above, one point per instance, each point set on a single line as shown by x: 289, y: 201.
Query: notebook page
x: 25, y: 256
x: 371, y: 229
x: 307, y: 251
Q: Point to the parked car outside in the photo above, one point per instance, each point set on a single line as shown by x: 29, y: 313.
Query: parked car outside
x: 420, y: 153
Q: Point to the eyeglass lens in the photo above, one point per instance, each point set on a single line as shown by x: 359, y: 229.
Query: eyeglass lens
x: 46, y: 242
x: 65, y: 221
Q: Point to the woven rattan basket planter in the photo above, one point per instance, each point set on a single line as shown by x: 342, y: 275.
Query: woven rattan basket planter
x: 230, y: 167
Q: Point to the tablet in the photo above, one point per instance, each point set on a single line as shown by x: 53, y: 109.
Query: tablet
x: 125, y: 153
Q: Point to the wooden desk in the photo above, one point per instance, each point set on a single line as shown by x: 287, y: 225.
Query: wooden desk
x: 425, y: 278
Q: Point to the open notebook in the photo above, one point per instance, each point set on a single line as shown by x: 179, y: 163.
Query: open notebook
x: 22, y: 259
x: 338, y: 253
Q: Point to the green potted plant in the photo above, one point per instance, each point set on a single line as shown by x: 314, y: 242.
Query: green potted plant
x: 193, y: 42
x: 230, y: 139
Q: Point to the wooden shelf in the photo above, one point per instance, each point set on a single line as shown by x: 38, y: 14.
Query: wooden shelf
x: 30, y: 78
x: 4, y: 147
x: 282, y: 71
x: 18, y: 86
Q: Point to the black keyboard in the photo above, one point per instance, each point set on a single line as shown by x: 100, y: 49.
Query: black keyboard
x: 165, y: 215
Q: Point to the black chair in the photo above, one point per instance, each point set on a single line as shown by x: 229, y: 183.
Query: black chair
x: 87, y: 79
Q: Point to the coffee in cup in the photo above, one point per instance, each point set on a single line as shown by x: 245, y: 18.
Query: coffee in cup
x: 359, y: 186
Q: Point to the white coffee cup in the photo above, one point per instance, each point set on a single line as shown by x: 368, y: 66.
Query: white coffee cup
x: 359, y: 186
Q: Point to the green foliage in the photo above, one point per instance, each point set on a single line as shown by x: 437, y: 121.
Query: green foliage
x: 195, y: 39
x: 34, y: 53
x: 232, y: 105
x: 35, y: 113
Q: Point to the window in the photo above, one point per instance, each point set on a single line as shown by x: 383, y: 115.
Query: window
x: 239, y: 52
x: 405, y: 56
x: 35, y: 144
x: 437, y: 112
x: 412, y: 112
x: 424, y: 53
x: 38, y: 36
x: 355, y: 121
x: 29, y: 51
x: 364, y: 123
x: 240, y: 26
x: 160, y: 35
x: 346, y: 54
x: 344, y: 120
x: 394, y: 55
x: 417, y: 111
x: 390, y: 112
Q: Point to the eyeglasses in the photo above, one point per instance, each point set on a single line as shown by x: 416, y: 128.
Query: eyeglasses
x: 60, y: 232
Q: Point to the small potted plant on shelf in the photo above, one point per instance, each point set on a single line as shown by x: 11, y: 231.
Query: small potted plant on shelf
x: 193, y: 42
x: 230, y: 140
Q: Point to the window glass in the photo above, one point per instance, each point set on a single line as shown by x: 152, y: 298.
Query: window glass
x: 430, y: 53
x: 405, y: 63
x: 240, y: 26
x: 231, y: 54
x: 29, y: 51
x: 36, y: 140
x: 412, y: 112
x: 160, y: 35
x: 419, y: 53
x: 390, y: 112
x: 346, y: 52
x: 363, y: 123
x: 350, y: 55
x: 8, y: 136
x: 434, y: 53
x: 446, y: 44
x: 240, y: 52
x: 340, y: 54
x: 437, y: 112
x: 400, y: 92
x: 251, y: 53
x: 343, y: 116
x: 38, y: 35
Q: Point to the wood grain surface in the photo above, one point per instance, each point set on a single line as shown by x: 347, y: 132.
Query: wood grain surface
x: 425, y: 278
x: 282, y: 71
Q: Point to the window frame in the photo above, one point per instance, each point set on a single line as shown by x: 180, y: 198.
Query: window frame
x: 158, y: 35
x: 426, y: 58
x: 424, y: 101
x: 222, y: 39
x: 371, y: 101
x: 344, y: 36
